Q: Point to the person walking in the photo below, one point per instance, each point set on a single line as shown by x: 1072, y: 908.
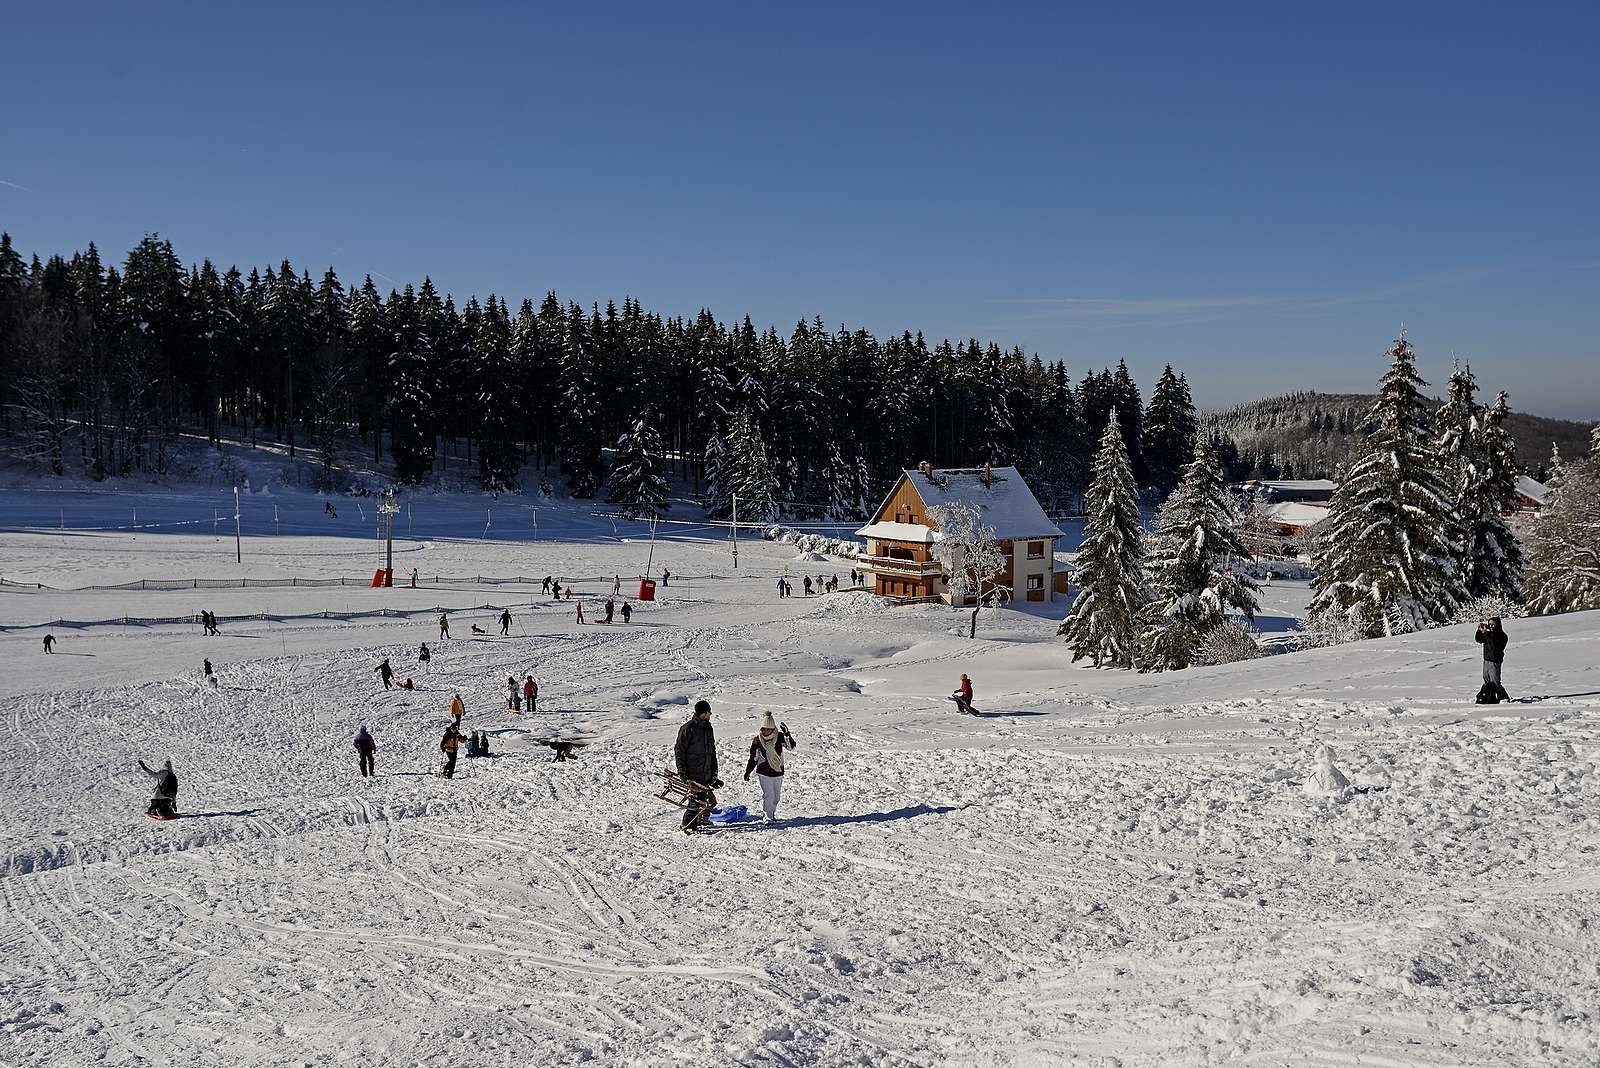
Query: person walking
x: 425, y: 658
x: 544, y: 587
x: 513, y: 694
x: 530, y: 694
x: 627, y: 612
x: 207, y: 665
x: 458, y: 708
x: 50, y: 645
x: 580, y: 609
x: 448, y: 745
x: 695, y: 754
x: 444, y: 626
x: 666, y: 577
x: 766, y: 760
x: 386, y: 673
x: 164, y: 803
x: 1493, y: 638
x: 780, y: 588
x: 505, y: 622
x: 808, y: 585
x: 365, y: 748
x: 413, y: 578
x: 611, y: 609
x: 616, y: 585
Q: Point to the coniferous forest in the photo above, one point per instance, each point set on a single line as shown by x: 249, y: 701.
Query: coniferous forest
x: 104, y: 367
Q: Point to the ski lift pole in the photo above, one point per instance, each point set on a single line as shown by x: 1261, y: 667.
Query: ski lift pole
x: 488, y: 517
x: 651, y: 559
x: 238, y: 542
x: 536, y: 524
x: 733, y: 531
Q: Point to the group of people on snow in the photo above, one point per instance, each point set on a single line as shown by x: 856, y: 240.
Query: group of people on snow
x: 695, y: 759
x: 208, y: 623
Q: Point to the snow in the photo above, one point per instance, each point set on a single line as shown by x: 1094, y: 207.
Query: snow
x: 1104, y: 868
x: 888, y: 530
x: 1291, y: 513
x: 1006, y: 503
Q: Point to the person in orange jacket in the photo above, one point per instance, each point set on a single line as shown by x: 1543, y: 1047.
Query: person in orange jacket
x: 458, y: 709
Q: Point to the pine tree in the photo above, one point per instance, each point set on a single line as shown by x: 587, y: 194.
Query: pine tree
x: 580, y: 449
x: 1192, y: 583
x: 1564, y: 543
x: 748, y: 471
x: 1389, y: 554
x: 637, y: 481
x: 410, y: 403
x: 1480, y: 467
x: 498, y: 432
x: 1170, y: 426
x: 1103, y: 622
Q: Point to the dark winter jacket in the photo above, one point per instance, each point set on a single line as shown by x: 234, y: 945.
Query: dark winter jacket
x: 758, y: 755
x: 1494, y: 644
x: 166, y: 780
x: 384, y: 671
x: 696, y: 752
x: 364, y: 742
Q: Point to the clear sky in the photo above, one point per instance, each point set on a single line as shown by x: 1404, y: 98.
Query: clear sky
x: 1259, y: 193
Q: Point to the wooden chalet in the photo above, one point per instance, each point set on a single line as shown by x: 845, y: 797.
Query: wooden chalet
x: 901, y: 535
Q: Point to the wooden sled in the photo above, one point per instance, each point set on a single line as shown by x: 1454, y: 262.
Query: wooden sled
x: 686, y: 793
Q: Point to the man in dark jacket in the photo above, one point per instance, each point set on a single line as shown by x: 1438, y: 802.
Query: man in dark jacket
x: 696, y: 757
x: 505, y: 621
x: 1492, y: 637
x: 449, y: 745
x: 366, y: 746
x: 164, y: 805
x: 386, y: 673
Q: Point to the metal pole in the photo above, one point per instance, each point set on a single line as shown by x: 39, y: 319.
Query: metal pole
x: 652, y: 558
x: 238, y: 543
x: 733, y: 530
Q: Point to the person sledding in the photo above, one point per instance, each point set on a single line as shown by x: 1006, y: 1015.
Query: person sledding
x: 164, y: 805
x: 479, y: 631
x: 766, y: 761
x: 695, y: 755
x: 963, y: 696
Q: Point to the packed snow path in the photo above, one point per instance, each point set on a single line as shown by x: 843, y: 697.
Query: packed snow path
x: 1103, y: 869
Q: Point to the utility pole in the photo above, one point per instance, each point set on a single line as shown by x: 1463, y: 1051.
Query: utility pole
x: 238, y: 545
x: 388, y: 506
x: 733, y: 531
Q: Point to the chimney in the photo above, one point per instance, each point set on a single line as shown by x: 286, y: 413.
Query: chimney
x: 926, y: 470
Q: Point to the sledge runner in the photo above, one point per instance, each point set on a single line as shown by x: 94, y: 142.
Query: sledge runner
x: 1493, y: 638
x: 766, y: 760
x: 49, y: 644
x: 513, y: 694
x: 425, y: 658
x: 444, y: 626
x: 448, y: 745
x: 505, y: 621
x: 365, y: 748
x: 164, y: 805
x: 386, y: 673
x: 695, y: 754
x: 530, y: 693
x: 627, y: 612
x: 963, y: 696
x: 458, y: 708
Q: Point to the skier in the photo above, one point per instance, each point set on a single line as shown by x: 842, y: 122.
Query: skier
x: 1493, y: 638
x: 444, y: 626
x: 580, y: 608
x: 49, y: 644
x: 530, y: 693
x: 766, y: 760
x: 386, y: 673
x: 611, y: 609
x: 458, y: 709
x: 513, y: 694
x: 627, y: 612
x: 696, y: 756
x: 164, y: 805
x: 425, y: 658
x: 365, y: 747
x: 616, y: 585
x: 505, y: 622
x: 963, y: 696
x: 448, y: 745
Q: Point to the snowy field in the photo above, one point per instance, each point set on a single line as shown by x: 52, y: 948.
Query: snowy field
x: 1103, y: 869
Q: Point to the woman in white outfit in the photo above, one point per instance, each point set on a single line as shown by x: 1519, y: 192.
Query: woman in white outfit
x: 766, y: 760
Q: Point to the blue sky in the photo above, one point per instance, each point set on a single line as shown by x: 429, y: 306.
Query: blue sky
x: 1258, y: 193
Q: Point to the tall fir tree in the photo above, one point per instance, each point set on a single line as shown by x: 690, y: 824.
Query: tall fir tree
x: 749, y: 471
x: 498, y: 432
x: 1480, y: 468
x: 1564, y: 542
x: 1389, y: 556
x: 638, y: 482
x: 580, y: 448
x: 410, y: 415
x: 1192, y: 580
x: 1102, y: 624
x: 1170, y: 425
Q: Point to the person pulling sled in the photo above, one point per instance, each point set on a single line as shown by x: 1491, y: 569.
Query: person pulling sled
x: 695, y: 755
x: 164, y: 805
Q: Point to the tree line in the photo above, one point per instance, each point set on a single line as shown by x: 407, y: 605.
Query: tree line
x: 102, y: 368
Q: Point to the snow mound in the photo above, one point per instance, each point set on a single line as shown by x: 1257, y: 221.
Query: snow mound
x: 1326, y: 779
x: 810, y: 558
x: 853, y: 603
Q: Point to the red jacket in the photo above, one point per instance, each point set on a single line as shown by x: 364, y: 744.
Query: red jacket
x: 965, y: 690
x: 530, y: 689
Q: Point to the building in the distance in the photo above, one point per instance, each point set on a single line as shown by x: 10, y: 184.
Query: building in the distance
x: 1289, y: 490
x: 1530, y: 496
x: 901, y: 534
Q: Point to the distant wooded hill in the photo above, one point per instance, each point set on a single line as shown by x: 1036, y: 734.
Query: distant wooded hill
x: 1308, y: 435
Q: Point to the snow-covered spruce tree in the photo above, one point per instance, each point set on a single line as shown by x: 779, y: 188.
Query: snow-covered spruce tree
x: 1103, y: 622
x: 748, y: 472
x: 1564, y: 544
x: 1480, y: 467
x: 637, y: 483
x: 580, y: 415
x: 499, y: 457
x: 1170, y: 425
x: 974, y: 563
x: 410, y: 402
x: 1388, y: 554
x: 716, y: 494
x: 1191, y: 581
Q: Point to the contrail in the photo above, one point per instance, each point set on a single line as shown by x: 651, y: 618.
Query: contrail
x: 14, y: 185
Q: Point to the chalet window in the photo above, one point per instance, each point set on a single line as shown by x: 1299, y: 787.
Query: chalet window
x: 913, y: 518
x: 1036, y: 550
x: 899, y: 517
x: 1035, y: 582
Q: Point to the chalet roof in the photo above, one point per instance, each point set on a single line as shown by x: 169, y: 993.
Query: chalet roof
x: 1293, y: 513
x: 890, y: 531
x: 1292, y: 484
x: 1006, y: 503
x: 1532, y: 489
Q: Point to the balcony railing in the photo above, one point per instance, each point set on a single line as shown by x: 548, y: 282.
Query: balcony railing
x: 904, y: 567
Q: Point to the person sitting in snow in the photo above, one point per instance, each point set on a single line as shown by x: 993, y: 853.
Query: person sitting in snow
x: 164, y: 805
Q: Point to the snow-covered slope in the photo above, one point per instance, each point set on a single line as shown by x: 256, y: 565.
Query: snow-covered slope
x: 1103, y: 868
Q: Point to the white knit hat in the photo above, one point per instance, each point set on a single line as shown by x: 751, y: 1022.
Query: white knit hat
x: 767, y: 723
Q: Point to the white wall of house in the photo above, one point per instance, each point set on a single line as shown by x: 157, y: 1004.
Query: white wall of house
x: 1033, y: 575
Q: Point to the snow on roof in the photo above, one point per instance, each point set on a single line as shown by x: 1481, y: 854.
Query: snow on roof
x: 888, y: 531
x: 1532, y: 489
x: 1293, y: 513
x: 1006, y: 503
x: 1298, y: 483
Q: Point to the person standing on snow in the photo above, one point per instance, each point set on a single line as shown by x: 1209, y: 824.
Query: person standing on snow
x: 616, y: 585
x: 555, y: 589
x: 444, y: 626
x: 458, y: 708
x: 164, y: 805
x: 1493, y: 638
x: 365, y: 748
x: 425, y: 658
x: 544, y: 587
x: 448, y: 745
x: 766, y: 760
x: 513, y: 694
x: 580, y: 607
x: 413, y: 578
x: 530, y: 694
x: 666, y: 577
x: 49, y: 644
x: 386, y: 673
x: 611, y: 609
x: 208, y: 672
x: 695, y: 754
x: 505, y: 621
x: 627, y: 612
x: 963, y: 695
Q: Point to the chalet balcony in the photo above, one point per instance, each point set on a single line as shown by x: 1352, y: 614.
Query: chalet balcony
x: 895, y: 565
